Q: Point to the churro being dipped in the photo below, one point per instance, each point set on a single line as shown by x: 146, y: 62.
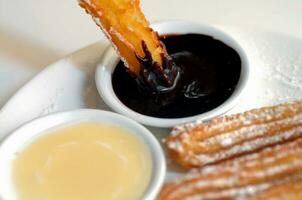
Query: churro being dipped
x: 180, y: 74
x: 138, y: 45
x: 198, y: 144
x: 258, y: 175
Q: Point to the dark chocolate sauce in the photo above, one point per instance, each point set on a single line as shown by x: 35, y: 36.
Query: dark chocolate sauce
x: 209, y: 72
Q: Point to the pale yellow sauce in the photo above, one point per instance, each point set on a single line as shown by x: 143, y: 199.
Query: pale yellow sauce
x: 84, y: 161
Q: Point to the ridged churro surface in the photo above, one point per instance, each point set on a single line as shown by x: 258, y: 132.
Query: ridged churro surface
x: 291, y: 190
x: 126, y: 26
x: 271, y: 173
x: 199, y: 144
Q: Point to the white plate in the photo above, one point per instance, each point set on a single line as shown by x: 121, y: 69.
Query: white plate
x: 276, y: 67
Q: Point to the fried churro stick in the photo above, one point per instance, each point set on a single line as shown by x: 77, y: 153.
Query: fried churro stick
x: 125, y: 25
x: 196, y: 145
x: 256, y: 175
x: 286, y: 191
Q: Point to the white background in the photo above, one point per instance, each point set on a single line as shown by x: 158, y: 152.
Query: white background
x: 35, y: 33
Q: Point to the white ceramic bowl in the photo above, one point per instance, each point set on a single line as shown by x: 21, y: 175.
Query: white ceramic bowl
x: 110, y: 59
x: 24, y: 135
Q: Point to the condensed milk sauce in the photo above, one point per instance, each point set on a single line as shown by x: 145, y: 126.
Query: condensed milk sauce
x: 83, y: 161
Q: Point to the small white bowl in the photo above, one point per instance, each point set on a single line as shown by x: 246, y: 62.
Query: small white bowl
x: 110, y: 60
x: 27, y: 133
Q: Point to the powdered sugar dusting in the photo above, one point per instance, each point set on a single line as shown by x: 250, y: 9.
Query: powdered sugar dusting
x: 200, y: 143
x: 241, y: 177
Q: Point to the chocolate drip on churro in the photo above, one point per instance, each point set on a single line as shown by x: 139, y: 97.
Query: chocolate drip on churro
x: 155, y: 78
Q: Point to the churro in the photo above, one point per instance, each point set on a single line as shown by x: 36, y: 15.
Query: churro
x: 138, y: 45
x: 126, y: 26
x: 291, y: 190
x: 198, y: 144
x: 254, y: 176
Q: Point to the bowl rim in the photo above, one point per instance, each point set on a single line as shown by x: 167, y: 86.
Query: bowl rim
x: 110, y: 59
x: 37, y: 127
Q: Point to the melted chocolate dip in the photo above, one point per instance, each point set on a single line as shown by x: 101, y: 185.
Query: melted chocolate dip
x: 209, y: 73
